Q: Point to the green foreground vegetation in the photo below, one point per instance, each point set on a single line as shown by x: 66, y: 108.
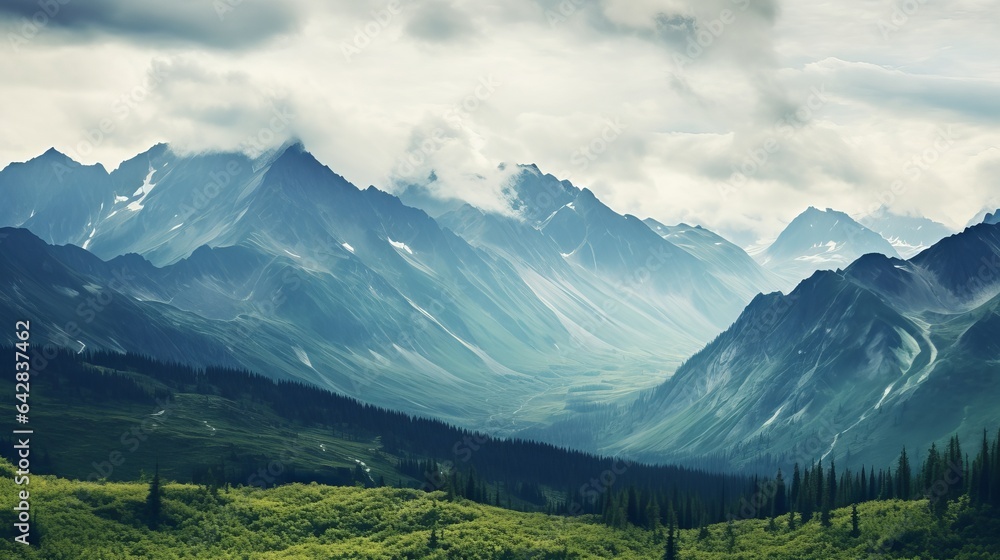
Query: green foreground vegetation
x: 109, y: 520
x: 133, y: 458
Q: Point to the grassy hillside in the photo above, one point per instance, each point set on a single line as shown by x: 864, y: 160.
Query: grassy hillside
x: 76, y: 519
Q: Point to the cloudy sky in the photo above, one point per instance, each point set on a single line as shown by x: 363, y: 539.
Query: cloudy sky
x: 736, y: 114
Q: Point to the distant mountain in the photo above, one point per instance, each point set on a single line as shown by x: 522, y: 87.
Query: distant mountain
x: 908, y: 234
x: 280, y: 265
x: 820, y: 240
x: 983, y: 214
x: 992, y: 217
x: 296, y: 272
x: 723, y: 259
x: 884, y: 351
x: 621, y: 289
x: 59, y: 199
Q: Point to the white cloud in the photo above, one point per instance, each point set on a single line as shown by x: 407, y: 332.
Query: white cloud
x: 416, y: 74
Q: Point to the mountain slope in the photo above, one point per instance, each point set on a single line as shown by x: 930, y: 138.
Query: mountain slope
x: 886, y: 350
x: 908, y: 234
x: 820, y: 240
x: 618, y: 287
x: 723, y: 259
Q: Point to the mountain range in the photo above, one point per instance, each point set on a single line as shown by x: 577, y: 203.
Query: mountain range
x: 820, y: 240
x: 556, y: 317
x: 884, y: 350
x: 280, y: 265
x: 908, y: 235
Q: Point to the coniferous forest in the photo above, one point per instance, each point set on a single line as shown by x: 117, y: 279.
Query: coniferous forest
x: 423, y: 475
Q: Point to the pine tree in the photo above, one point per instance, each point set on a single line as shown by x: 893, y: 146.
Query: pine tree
x: 829, y: 494
x: 154, y: 500
x: 671, y: 550
x: 703, y: 533
x: 855, y: 531
x: 903, y: 475
x: 995, y: 470
x: 791, y: 520
x: 872, y: 488
x: 432, y: 541
x: 806, y: 501
x: 831, y: 485
x: 779, y: 504
x: 793, y: 497
x: 955, y: 464
x: 653, y: 514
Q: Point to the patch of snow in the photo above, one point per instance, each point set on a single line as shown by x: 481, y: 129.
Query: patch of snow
x: 400, y: 245
x: 177, y: 226
x: 884, y: 395
x: 302, y: 356
x: 120, y: 198
x: 773, y: 418
x: 68, y: 292
x: 143, y: 191
x: 89, y: 238
x: 347, y: 246
x: 292, y: 254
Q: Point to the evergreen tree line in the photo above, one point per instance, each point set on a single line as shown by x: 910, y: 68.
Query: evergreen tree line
x: 460, y: 462
x: 522, y: 474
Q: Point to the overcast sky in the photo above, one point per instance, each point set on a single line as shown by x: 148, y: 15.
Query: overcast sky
x: 735, y: 114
